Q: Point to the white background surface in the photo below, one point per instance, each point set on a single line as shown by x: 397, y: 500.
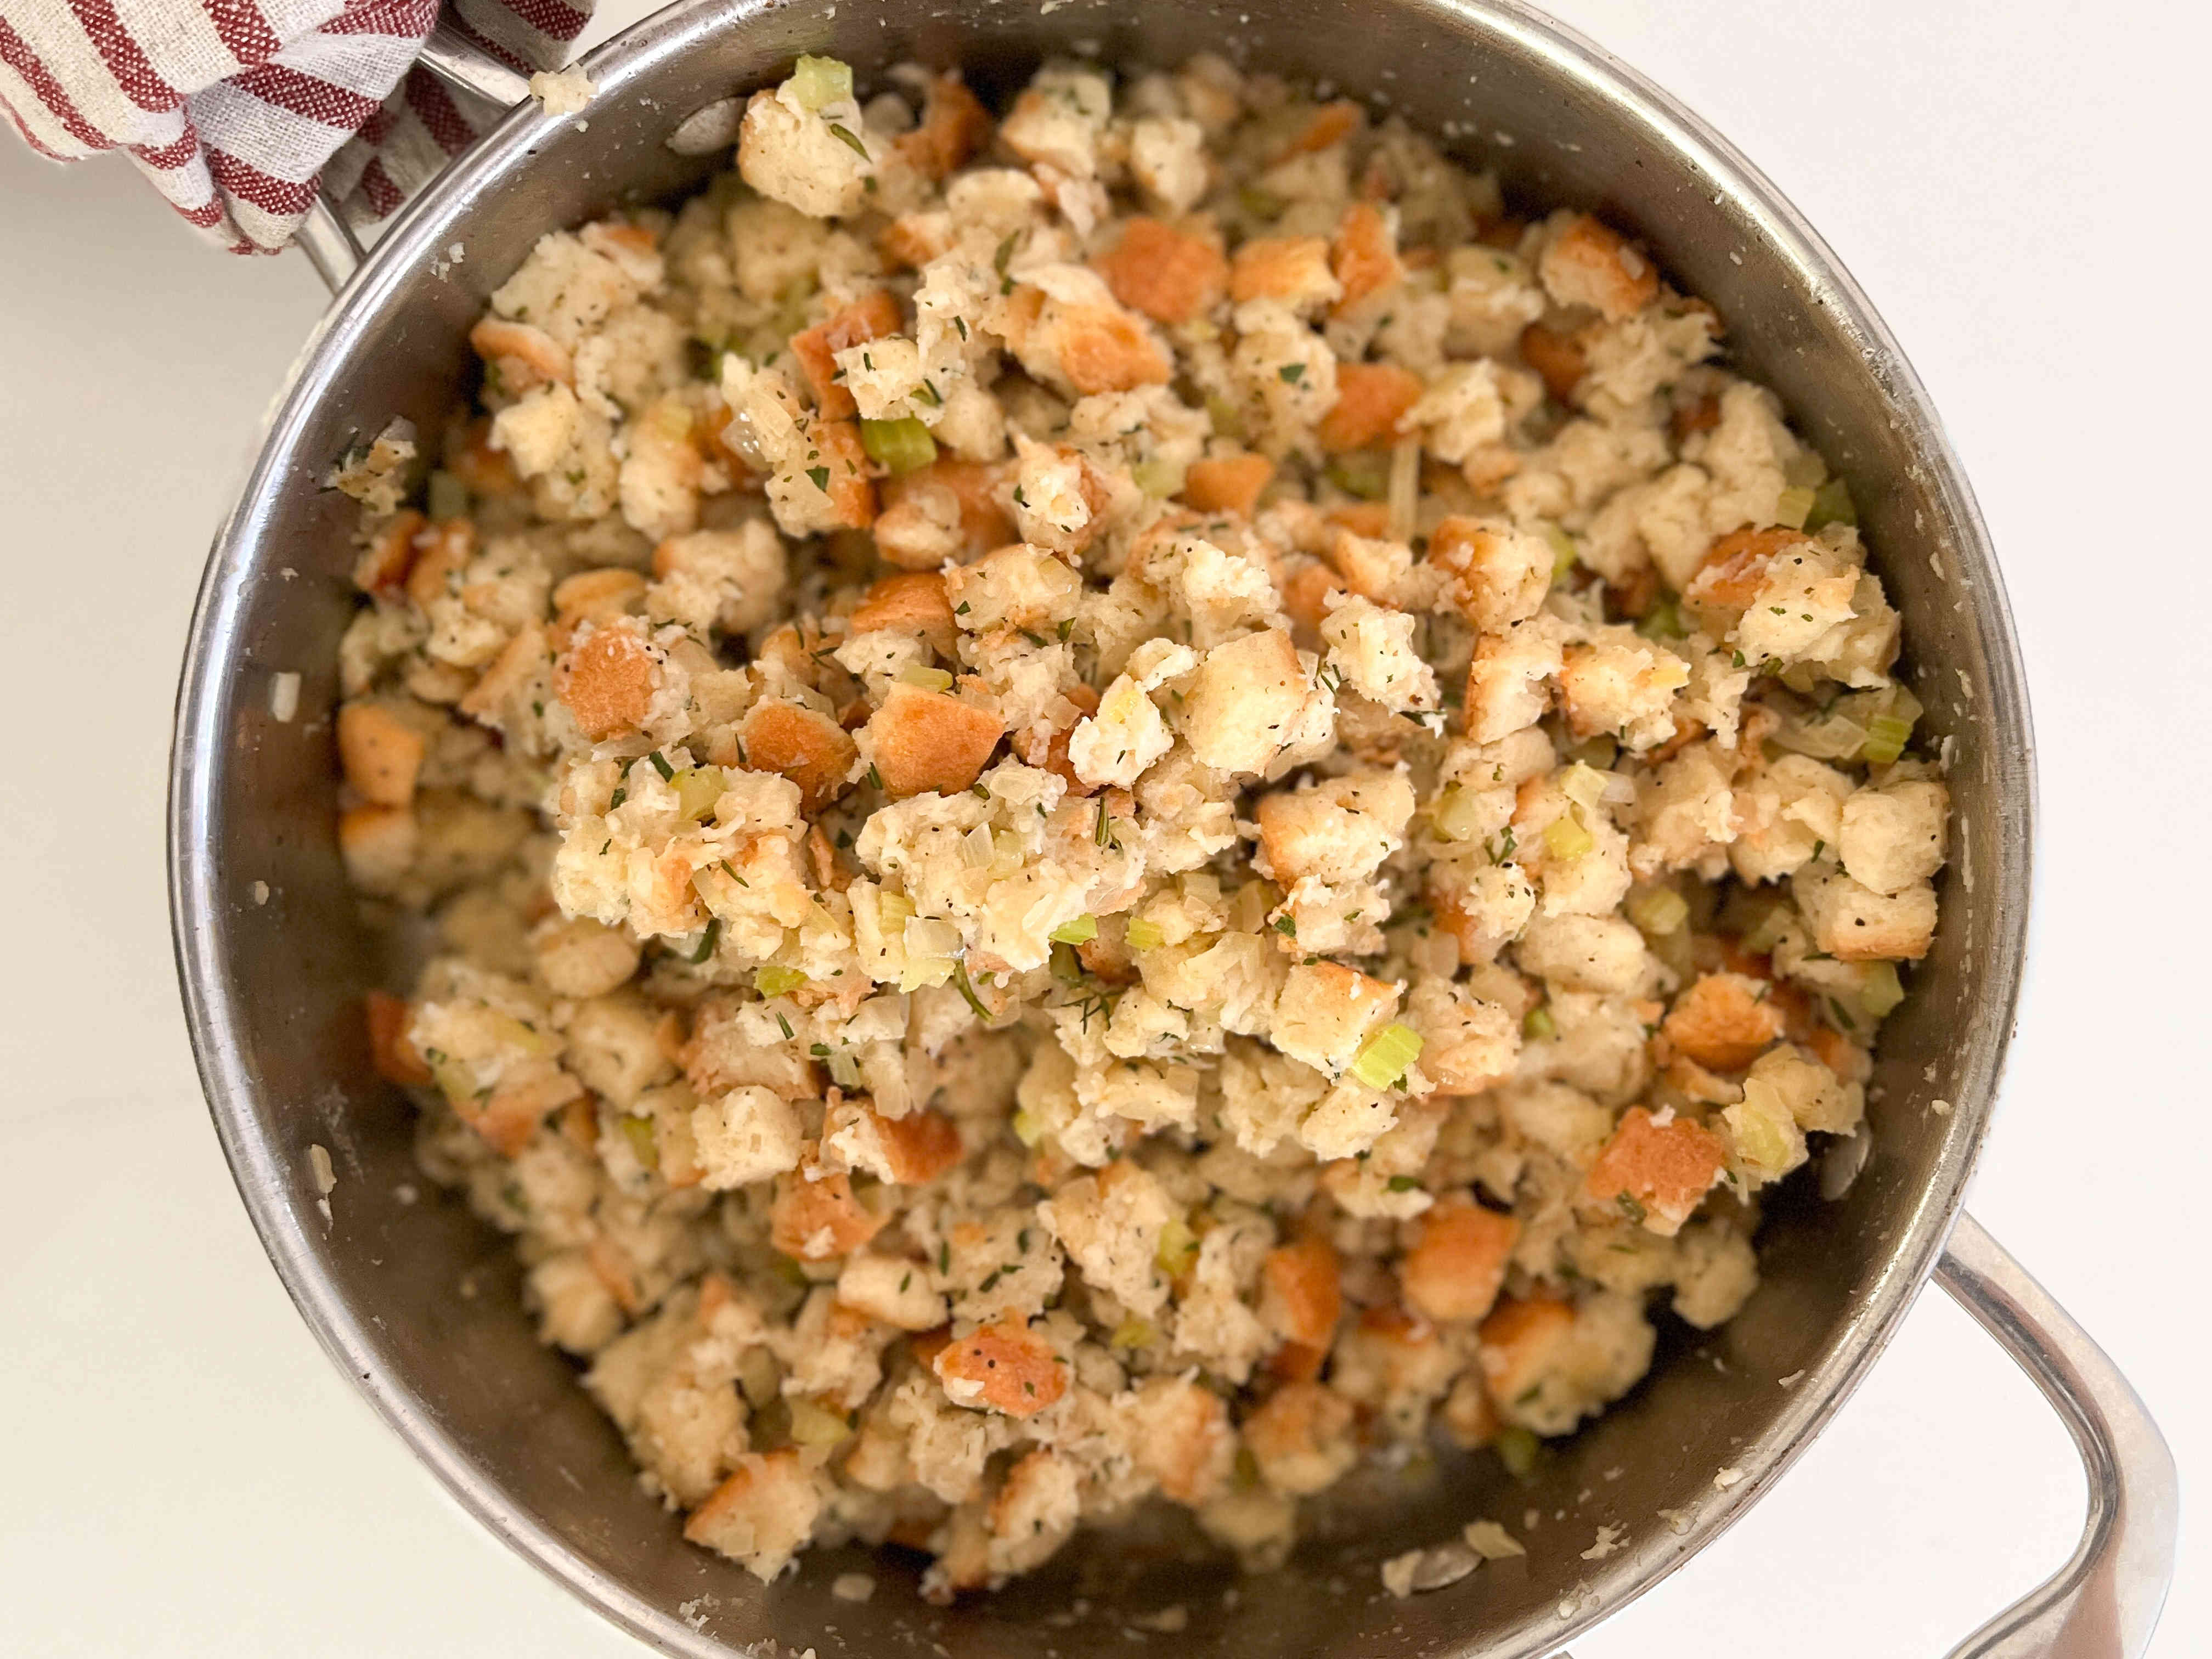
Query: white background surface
x: 186, y: 1474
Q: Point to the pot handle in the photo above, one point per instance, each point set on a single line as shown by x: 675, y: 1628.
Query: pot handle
x: 2105, y: 1601
x: 324, y: 236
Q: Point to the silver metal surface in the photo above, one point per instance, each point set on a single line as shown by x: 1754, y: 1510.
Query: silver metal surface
x: 330, y: 245
x: 417, y: 1301
x: 2105, y: 1601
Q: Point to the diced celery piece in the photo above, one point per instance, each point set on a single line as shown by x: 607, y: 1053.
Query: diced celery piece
x: 1662, y: 621
x: 1564, y: 552
x: 1564, y: 837
x: 1538, y: 1025
x: 1027, y: 1129
x: 697, y: 788
x: 1178, y: 1246
x: 1883, y: 990
x: 1831, y: 504
x: 929, y: 679
x: 1145, y: 935
x: 1791, y: 508
x: 1886, y: 736
x: 818, y: 83
x: 1583, y: 784
x: 643, y: 1142
x: 1132, y: 1332
x: 1158, y: 479
x: 776, y: 981
x: 447, y: 496
x: 1517, y: 1448
x: 1457, y: 814
x: 1362, y: 472
x: 902, y: 446
x: 813, y: 1424
x: 1381, y: 1060
x: 1261, y: 204
x: 1081, y: 931
x: 1661, y: 910
x: 1227, y: 420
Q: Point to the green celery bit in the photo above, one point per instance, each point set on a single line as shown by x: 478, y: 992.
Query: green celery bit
x: 1831, y: 504
x: 1381, y: 1060
x: 776, y: 981
x: 902, y: 446
x: 817, y: 82
x: 1081, y: 931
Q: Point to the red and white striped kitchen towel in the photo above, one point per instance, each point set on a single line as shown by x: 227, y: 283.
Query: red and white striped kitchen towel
x: 238, y: 110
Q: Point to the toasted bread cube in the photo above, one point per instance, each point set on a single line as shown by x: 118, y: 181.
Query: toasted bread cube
x: 890, y: 1291
x: 762, y: 1515
x: 396, y: 1059
x: 1370, y: 400
x: 1495, y: 574
x: 1893, y: 837
x: 1326, y: 1011
x: 1301, y: 1293
x: 607, y: 681
x: 1724, y: 1021
x: 1508, y: 681
x: 1103, y: 349
x: 1184, y: 1439
x: 380, y: 753
x: 379, y: 845
x: 947, y: 511
x: 1853, y: 923
x: 748, y: 1135
x: 875, y: 314
x: 580, y: 958
x: 1732, y: 571
x: 954, y: 126
x: 1558, y: 359
x: 802, y: 744
x: 924, y: 740
x: 1244, y: 701
x: 1227, y: 483
x: 1364, y: 255
x: 918, y: 1147
x: 1337, y: 831
x: 1169, y: 273
x: 1291, y: 268
x: 1457, y: 1264
x: 598, y: 596
x: 816, y: 1216
x: 510, y: 1114
x: 384, y: 563
x: 1006, y: 1367
x: 913, y: 602
x: 1582, y: 953
x: 1300, y: 1438
x: 1520, y: 1340
x: 1657, y: 1173
x: 1330, y: 123
x: 521, y: 354
x: 787, y: 152
x: 1620, y: 683
x: 1590, y: 263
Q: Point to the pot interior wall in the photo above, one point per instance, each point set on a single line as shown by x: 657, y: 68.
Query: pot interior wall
x: 424, y: 1299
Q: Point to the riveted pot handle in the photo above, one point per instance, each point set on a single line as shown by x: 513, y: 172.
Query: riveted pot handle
x: 324, y: 236
x: 2105, y: 1601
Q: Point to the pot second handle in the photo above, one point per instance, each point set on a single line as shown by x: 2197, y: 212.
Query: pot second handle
x: 2105, y: 1601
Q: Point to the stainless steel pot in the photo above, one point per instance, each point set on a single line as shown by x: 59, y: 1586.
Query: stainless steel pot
x: 418, y: 1302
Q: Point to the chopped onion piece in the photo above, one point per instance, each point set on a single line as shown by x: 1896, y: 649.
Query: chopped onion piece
x: 818, y: 83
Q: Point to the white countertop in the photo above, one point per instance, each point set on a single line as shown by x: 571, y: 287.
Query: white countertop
x: 185, y: 1473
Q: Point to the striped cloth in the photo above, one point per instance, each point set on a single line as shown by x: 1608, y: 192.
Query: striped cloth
x: 240, y: 111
